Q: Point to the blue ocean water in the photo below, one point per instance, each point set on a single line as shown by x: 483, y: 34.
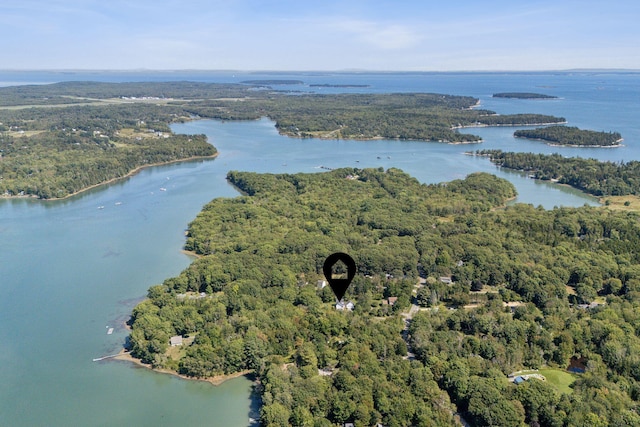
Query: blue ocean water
x: 69, y: 270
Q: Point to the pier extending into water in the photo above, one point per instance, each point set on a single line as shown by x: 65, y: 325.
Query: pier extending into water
x: 97, y: 359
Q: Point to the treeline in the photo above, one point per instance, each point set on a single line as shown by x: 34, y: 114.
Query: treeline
x: 518, y: 119
x: 592, y: 176
x: 104, y: 118
x: 251, y: 302
x: 569, y: 135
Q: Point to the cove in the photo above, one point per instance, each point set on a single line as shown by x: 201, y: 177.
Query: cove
x: 257, y: 146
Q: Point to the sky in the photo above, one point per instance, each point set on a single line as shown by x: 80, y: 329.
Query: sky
x: 307, y: 35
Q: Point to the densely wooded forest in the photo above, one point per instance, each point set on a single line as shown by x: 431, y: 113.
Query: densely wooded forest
x: 61, y: 138
x: 417, y: 116
x: 570, y: 135
x: 453, y: 293
x: 51, y: 153
x: 589, y: 175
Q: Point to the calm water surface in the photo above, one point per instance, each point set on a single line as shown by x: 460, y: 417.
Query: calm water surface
x: 69, y: 270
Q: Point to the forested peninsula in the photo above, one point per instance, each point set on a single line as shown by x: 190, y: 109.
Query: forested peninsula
x: 571, y: 136
x: 592, y: 176
x: 453, y: 293
x: 53, y: 153
x: 58, y: 139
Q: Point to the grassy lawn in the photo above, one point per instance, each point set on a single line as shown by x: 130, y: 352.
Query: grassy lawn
x: 600, y: 300
x: 177, y: 352
x: 559, y: 378
x: 624, y: 203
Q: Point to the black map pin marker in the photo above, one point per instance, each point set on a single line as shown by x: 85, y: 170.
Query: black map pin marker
x: 339, y: 281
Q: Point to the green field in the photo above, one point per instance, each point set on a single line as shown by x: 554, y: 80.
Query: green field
x: 559, y: 378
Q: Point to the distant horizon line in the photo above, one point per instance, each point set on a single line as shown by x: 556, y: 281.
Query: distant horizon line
x: 343, y: 71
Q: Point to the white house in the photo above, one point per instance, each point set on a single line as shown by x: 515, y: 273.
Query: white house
x: 341, y: 305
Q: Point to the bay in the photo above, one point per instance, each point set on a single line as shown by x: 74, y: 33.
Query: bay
x: 71, y: 269
x: 257, y: 146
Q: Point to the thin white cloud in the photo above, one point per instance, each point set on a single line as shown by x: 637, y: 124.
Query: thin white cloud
x: 380, y: 35
x: 259, y: 34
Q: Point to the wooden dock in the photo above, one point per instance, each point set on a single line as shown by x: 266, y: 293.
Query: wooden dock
x: 97, y: 359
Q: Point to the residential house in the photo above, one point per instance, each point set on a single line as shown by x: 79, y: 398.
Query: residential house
x: 341, y: 305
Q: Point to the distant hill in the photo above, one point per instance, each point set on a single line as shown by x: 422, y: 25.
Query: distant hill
x: 273, y: 82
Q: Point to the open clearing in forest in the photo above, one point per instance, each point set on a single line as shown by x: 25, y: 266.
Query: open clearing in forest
x: 559, y: 378
x: 622, y: 203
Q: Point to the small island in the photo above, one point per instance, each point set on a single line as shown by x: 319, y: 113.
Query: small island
x: 523, y: 95
x: 571, y: 136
